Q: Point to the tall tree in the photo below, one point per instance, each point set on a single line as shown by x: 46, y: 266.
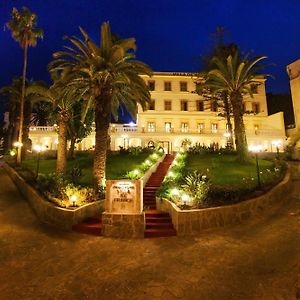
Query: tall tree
x: 24, y: 31
x: 235, y: 77
x: 108, y: 75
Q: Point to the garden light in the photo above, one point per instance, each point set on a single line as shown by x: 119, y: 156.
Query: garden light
x: 136, y: 172
x: 175, y: 192
x: 73, y: 199
x: 12, y: 153
x: 170, y: 174
x: 154, y: 155
x: 147, y: 162
x: 185, y: 198
x: 256, y: 149
x: 38, y: 149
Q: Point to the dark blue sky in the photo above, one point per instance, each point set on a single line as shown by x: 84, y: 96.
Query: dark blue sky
x: 170, y: 34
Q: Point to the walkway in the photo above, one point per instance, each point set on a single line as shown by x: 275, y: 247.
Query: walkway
x: 257, y: 260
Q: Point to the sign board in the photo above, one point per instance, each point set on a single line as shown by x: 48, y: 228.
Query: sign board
x: 124, y: 196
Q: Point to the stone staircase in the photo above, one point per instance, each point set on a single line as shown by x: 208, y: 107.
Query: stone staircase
x: 158, y: 223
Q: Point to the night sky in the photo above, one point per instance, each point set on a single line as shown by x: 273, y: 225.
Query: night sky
x: 170, y: 34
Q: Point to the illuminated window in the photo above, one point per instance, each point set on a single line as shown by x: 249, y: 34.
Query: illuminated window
x: 214, y: 128
x: 168, y: 105
x: 256, y: 128
x: 168, y: 86
x: 184, y: 105
x: 151, y: 127
x: 168, y: 126
x: 200, y: 127
x: 152, y: 105
x: 200, y: 105
x: 255, y: 107
x: 151, y: 85
x: 183, y: 86
x: 184, y: 127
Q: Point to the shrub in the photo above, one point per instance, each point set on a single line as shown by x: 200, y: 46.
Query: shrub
x: 51, y: 183
x: 76, y: 174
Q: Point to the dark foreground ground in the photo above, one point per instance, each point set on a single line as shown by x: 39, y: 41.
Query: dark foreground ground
x: 257, y: 260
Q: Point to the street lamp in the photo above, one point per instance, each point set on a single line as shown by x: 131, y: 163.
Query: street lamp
x: 256, y: 149
x: 38, y: 149
x: 227, y: 135
x: 277, y: 143
x: 125, y: 137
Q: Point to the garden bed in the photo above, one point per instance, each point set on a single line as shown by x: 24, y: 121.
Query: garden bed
x: 189, y: 222
x: 50, y: 213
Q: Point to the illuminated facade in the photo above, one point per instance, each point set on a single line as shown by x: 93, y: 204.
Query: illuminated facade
x: 177, y: 114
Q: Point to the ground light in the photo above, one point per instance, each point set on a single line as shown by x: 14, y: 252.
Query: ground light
x: 185, y: 198
x: 73, y: 200
x: 38, y: 149
x: 256, y: 149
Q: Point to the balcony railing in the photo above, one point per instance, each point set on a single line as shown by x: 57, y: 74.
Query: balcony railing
x: 134, y: 129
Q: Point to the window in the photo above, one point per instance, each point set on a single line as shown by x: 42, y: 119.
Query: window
x: 168, y: 105
x: 183, y: 86
x: 184, y: 127
x: 168, y: 86
x: 168, y: 126
x: 200, y: 127
x: 152, y: 105
x: 151, y: 127
x: 214, y: 106
x: 255, y: 107
x: 214, y: 128
x: 184, y: 105
x: 200, y: 105
x: 256, y: 128
x: 254, y: 88
x: 151, y: 85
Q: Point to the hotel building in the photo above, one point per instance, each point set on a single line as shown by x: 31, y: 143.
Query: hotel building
x: 177, y: 114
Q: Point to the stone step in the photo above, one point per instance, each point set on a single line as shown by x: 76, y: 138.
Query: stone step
x: 152, y: 233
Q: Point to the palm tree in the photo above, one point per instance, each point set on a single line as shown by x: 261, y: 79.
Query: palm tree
x: 24, y: 31
x: 108, y: 77
x: 235, y: 77
x: 62, y: 100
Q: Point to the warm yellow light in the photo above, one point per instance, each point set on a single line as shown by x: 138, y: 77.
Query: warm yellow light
x: 39, y: 148
x: 147, y: 162
x: 170, y: 174
x: 136, y: 172
x: 255, y: 148
x: 12, y: 152
x: 175, y: 192
x: 276, y: 143
x: 17, y: 144
x: 73, y: 199
x: 185, y: 198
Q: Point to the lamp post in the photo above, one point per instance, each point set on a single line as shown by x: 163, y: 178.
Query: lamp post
x: 256, y: 149
x: 38, y: 149
x: 277, y: 143
x: 227, y: 135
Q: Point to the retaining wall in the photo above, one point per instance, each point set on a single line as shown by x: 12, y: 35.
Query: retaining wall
x: 189, y: 222
x: 49, y: 213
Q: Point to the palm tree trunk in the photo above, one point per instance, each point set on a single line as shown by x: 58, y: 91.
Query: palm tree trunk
x: 26, y: 125
x: 228, y: 119
x: 239, y: 127
x: 71, y: 153
x: 61, y: 162
x: 101, y: 137
x: 19, y: 153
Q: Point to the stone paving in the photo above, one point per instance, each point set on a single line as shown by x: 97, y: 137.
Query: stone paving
x: 257, y: 260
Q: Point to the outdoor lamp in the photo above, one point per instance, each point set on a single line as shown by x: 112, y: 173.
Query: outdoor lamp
x: 136, y: 172
x: 38, y: 149
x: 277, y: 144
x: 12, y: 152
x: 175, y: 192
x: 73, y: 200
x: 256, y: 149
x: 185, y: 198
x: 17, y: 144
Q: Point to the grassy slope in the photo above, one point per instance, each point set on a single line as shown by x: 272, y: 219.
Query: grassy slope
x: 117, y: 165
x: 224, y: 169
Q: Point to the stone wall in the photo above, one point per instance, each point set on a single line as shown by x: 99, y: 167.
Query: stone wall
x: 189, y: 222
x: 123, y: 226
x: 49, y: 213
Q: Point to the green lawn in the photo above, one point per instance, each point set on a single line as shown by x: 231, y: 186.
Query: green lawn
x: 224, y: 169
x: 117, y: 165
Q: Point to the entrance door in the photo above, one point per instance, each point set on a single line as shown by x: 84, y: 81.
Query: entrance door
x: 166, y: 146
